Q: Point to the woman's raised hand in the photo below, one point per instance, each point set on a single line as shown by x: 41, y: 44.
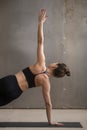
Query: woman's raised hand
x: 42, y: 16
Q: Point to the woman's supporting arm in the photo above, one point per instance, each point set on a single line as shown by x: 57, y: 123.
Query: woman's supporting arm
x: 47, y: 99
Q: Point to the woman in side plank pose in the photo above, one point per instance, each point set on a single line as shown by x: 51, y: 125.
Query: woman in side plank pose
x: 12, y: 86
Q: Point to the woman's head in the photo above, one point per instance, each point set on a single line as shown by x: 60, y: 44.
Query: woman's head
x: 60, y: 70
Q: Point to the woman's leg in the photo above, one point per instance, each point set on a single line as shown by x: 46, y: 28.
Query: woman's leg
x: 9, y: 89
x: 4, y: 100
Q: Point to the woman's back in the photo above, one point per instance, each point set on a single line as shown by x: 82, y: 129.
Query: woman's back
x: 30, y: 76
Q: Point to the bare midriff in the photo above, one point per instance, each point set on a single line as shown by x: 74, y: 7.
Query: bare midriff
x: 22, y: 82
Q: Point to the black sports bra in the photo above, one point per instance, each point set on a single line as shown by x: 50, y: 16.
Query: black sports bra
x: 30, y: 77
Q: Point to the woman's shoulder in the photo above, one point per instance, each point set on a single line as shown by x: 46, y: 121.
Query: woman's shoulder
x: 37, y: 68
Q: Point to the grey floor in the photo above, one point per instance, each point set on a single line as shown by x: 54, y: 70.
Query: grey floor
x: 38, y: 115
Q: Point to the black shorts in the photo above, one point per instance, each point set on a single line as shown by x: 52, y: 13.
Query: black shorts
x: 9, y: 89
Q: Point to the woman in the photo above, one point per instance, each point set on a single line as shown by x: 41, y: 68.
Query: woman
x: 12, y: 86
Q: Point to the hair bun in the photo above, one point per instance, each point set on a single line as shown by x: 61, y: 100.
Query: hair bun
x: 68, y: 73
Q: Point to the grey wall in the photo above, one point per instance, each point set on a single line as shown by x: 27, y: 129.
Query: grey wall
x: 65, y: 41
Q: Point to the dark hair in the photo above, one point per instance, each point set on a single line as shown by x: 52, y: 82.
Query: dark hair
x: 61, y: 70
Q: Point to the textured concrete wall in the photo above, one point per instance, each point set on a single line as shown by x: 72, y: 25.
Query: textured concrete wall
x: 65, y: 41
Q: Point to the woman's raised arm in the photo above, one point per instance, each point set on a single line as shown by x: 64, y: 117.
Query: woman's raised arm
x: 40, y: 38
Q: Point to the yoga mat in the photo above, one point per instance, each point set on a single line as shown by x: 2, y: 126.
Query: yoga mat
x: 39, y: 124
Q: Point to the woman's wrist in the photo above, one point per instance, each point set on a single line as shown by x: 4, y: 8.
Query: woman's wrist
x: 50, y: 123
x: 40, y: 22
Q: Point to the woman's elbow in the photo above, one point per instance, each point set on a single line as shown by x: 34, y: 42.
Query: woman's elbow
x: 48, y: 104
x: 40, y: 40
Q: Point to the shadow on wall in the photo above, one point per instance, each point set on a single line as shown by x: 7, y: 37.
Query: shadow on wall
x: 14, y: 57
x: 17, y: 37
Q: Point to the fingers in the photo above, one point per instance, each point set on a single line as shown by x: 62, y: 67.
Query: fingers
x: 43, y: 12
x: 59, y: 124
x: 42, y: 15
